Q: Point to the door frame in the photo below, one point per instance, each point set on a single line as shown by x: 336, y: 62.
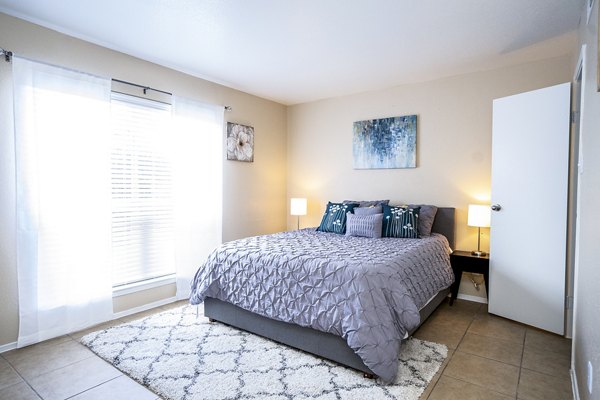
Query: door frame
x: 571, y: 327
x: 573, y: 245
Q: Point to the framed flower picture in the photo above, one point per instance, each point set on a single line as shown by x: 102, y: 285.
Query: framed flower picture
x: 240, y: 142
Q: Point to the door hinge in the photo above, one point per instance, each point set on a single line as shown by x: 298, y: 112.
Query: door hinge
x: 569, y: 302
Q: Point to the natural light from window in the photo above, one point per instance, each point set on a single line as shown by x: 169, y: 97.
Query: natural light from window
x: 142, y: 190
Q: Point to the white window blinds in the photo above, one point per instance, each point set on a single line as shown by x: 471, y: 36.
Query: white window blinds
x: 143, y: 226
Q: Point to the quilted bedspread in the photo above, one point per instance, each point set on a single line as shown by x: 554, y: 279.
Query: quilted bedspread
x: 368, y: 291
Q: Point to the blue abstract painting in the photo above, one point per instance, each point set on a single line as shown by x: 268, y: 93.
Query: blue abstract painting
x: 385, y: 143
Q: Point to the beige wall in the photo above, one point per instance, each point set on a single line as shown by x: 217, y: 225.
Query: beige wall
x: 254, y: 193
x: 454, y: 152
x: 586, y: 335
x: 453, y: 144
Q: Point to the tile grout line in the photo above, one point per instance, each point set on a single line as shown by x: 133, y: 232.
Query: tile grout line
x: 441, y: 372
x: 466, y: 330
x: 545, y: 374
x: 118, y: 321
x: 55, y: 369
x: 70, y: 338
x: 521, y: 364
x: 95, y: 386
x: 527, y: 333
x: 453, y: 352
x: 488, y: 358
x: 475, y: 355
x: 482, y: 386
x: 22, y: 378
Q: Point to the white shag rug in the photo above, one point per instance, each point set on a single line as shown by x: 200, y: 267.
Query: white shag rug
x: 180, y: 356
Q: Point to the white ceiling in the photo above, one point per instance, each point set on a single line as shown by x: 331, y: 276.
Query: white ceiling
x: 294, y: 51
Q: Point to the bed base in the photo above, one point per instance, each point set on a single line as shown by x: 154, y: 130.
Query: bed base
x: 322, y: 344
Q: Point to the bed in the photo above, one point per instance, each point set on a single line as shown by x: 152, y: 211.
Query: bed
x: 350, y: 300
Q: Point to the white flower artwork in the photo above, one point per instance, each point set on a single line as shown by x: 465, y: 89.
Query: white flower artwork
x: 240, y: 142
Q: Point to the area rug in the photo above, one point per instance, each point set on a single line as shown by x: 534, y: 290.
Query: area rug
x: 178, y: 355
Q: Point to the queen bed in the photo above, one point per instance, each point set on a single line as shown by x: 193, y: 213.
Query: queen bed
x: 348, y: 299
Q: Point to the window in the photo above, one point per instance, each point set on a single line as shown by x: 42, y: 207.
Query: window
x: 143, y: 203
x: 111, y: 190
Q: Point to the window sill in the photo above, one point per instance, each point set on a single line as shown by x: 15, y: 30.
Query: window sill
x: 143, y: 285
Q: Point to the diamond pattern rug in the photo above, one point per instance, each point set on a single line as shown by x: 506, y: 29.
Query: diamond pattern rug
x: 181, y: 356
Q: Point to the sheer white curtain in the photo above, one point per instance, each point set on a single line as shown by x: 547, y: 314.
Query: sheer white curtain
x: 198, y: 155
x: 63, y: 199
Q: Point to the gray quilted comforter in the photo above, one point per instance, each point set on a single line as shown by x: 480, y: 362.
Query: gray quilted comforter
x: 368, y: 291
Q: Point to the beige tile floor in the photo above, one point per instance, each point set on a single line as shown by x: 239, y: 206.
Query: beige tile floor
x: 489, y: 358
x: 494, y: 358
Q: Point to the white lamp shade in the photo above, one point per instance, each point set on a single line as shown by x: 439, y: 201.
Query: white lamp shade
x: 479, y: 215
x: 298, y: 206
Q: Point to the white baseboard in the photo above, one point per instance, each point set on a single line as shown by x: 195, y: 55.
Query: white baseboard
x: 13, y: 345
x: 135, y: 310
x: 574, y: 384
x: 8, y: 346
x: 468, y: 297
x: 145, y: 307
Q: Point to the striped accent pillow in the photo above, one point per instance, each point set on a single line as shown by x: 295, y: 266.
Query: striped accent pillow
x: 364, y: 225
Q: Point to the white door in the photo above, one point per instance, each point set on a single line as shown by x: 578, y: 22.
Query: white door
x: 530, y: 150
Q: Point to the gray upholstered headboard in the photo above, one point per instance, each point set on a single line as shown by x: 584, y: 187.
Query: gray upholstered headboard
x: 444, y: 224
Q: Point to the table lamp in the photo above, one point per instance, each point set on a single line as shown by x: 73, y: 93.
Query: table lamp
x: 479, y: 216
x: 298, y: 207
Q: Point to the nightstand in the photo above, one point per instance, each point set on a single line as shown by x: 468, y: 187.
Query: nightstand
x: 464, y: 261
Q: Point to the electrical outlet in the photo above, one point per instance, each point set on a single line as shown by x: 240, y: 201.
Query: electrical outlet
x: 590, y: 375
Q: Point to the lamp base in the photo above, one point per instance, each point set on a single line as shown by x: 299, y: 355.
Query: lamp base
x: 479, y: 253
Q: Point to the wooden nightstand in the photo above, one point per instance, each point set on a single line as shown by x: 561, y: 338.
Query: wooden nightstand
x: 464, y: 261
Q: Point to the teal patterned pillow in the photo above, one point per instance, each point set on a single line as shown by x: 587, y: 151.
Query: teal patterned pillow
x: 334, y: 219
x: 400, y: 222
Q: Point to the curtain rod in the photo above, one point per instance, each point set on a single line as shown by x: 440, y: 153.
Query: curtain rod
x: 6, y: 53
x: 8, y: 56
x: 146, y: 88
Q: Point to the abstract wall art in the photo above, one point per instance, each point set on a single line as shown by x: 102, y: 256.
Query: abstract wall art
x: 240, y: 142
x: 385, y: 143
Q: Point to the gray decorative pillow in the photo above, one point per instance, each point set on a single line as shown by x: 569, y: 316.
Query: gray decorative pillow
x: 367, y: 203
x: 368, y: 210
x: 364, y: 225
x: 426, y: 217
